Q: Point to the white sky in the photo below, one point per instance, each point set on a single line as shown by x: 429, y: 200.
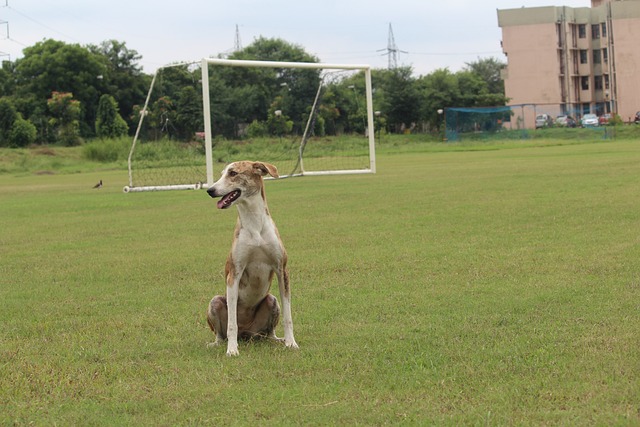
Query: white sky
x: 435, y: 34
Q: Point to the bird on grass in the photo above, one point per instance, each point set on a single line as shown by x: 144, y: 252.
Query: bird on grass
x: 98, y: 185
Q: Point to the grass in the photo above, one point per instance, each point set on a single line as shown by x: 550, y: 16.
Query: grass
x: 453, y: 287
x: 113, y: 154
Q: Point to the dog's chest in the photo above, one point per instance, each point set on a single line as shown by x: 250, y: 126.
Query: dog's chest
x: 258, y: 255
x: 252, y: 247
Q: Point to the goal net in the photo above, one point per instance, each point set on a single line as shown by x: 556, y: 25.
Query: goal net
x: 305, y: 118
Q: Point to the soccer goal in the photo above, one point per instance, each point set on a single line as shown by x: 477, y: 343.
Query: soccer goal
x: 315, y: 141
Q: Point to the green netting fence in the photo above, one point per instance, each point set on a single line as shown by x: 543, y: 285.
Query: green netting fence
x: 522, y: 121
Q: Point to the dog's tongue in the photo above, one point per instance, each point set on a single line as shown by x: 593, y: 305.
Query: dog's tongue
x: 227, y: 199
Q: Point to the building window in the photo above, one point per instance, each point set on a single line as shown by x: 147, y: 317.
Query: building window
x: 595, y: 31
x: 606, y: 81
x: 597, y: 82
x: 604, y: 30
x: 597, y: 57
x: 583, y: 56
x: 582, y: 31
x: 605, y: 55
x: 584, y: 82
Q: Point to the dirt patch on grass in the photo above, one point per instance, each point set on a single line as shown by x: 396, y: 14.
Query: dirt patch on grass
x: 44, y: 151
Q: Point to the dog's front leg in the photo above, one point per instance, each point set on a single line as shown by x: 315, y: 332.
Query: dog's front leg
x: 285, y: 296
x: 233, y: 284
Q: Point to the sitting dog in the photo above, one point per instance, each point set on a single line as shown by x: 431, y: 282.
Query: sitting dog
x: 257, y: 254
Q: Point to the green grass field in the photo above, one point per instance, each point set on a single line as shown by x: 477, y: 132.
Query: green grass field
x: 489, y: 287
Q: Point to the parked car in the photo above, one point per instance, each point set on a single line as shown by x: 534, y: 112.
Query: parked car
x: 566, y: 121
x: 543, y: 121
x: 604, y: 119
x: 589, y: 120
x: 637, y: 119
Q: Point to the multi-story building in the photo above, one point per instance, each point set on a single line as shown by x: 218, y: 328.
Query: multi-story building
x: 574, y: 60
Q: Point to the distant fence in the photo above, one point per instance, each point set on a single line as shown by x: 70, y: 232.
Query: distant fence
x: 512, y: 122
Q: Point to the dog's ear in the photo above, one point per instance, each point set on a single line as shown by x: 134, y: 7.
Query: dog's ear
x: 265, y: 169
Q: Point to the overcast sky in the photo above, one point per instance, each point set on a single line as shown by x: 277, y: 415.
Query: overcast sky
x: 434, y: 34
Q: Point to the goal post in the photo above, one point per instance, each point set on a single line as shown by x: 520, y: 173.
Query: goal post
x: 299, y: 155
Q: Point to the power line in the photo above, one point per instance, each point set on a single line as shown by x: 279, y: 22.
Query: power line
x: 8, y: 36
x: 374, y: 53
x: 24, y: 15
x: 455, y: 53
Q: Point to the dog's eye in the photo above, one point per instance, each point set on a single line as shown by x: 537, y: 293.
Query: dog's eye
x: 232, y: 173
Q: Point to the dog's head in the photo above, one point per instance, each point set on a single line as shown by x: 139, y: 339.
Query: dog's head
x: 240, y: 180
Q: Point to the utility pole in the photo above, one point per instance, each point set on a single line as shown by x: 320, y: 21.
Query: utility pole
x: 392, y: 50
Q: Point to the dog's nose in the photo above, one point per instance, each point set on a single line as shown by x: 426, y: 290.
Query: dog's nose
x: 211, y: 192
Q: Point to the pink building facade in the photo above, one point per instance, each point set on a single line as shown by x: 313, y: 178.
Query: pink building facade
x: 573, y: 61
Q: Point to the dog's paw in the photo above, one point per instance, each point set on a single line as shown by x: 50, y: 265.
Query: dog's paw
x: 274, y: 338
x: 291, y: 344
x: 213, y: 344
x: 232, y: 351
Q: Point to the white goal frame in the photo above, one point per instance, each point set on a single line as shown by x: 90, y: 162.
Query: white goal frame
x: 275, y: 64
x: 206, y: 106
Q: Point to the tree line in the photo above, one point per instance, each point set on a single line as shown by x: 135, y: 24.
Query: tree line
x: 60, y: 93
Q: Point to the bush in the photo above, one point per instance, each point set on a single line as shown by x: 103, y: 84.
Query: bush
x: 69, y: 134
x: 616, y: 120
x: 65, y: 113
x: 257, y: 129
x: 319, y: 128
x: 22, y: 133
x: 8, y: 116
x: 109, y: 123
x: 107, y: 150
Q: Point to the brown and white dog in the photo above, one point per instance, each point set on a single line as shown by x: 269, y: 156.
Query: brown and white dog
x: 257, y: 254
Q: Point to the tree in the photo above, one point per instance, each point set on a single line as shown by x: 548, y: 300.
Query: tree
x: 489, y: 70
x: 442, y: 89
x: 438, y: 90
x: 123, y: 77
x: 15, y: 131
x: 7, y: 82
x: 242, y: 95
x: 55, y: 66
x: 176, y: 107
x: 328, y: 111
x: 278, y: 123
x: 65, y: 112
x: 109, y: 123
x: 402, y: 98
x: 295, y: 87
x: 473, y: 89
x: 189, y: 112
x: 162, y: 117
x: 8, y: 116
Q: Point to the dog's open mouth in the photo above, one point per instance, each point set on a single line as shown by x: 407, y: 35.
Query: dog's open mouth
x: 227, y: 199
